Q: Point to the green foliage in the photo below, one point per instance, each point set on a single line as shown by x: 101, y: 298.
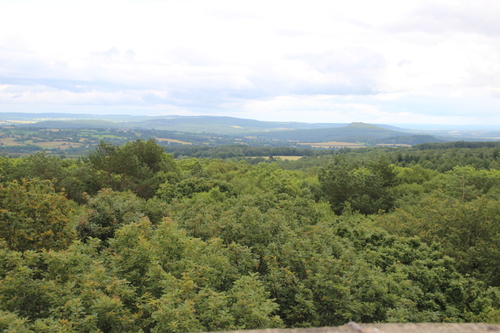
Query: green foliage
x: 465, y: 183
x: 33, y: 216
x: 414, y: 175
x: 69, y: 176
x: 211, y: 245
x: 41, y: 165
x: 325, y: 271
x: 139, y: 166
x: 270, y: 178
x: 65, y: 291
x: 251, y: 305
x: 189, y: 284
x: 10, y: 322
x: 192, y: 185
x: 109, y: 210
x: 468, y: 232
x: 365, y: 189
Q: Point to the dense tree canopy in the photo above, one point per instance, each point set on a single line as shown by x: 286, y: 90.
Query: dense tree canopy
x: 366, y: 189
x: 131, y: 239
x: 34, y: 217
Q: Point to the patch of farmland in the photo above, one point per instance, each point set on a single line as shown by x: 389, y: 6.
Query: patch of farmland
x: 332, y: 144
x: 173, y: 140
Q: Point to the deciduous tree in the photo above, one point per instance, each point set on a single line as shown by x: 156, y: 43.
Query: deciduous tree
x: 33, y: 216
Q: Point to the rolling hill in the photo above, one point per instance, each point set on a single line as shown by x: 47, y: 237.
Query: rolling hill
x: 236, y: 127
x: 196, y: 124
x: 355, y: 132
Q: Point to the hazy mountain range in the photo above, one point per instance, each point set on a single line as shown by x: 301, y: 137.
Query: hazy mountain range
x: 288, y: 131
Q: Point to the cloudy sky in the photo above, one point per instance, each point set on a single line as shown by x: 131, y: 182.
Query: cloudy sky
x: 384, y: 61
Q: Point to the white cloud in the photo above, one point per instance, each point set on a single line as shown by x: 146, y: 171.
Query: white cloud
x: 17, y: 94
x: 319, y: 108
x: 200, y: 56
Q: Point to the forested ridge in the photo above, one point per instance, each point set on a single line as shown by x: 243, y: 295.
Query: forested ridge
x: 131, y: 239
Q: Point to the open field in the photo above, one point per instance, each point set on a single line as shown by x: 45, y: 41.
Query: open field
x: 109, y: 136
x: 392, y: 145
x: 10, y: 142
x: 173, y: 140
x: 289, y: 158
x: 284, y: 158
x: 332, y: 144
x: 75, y: 142
x: 58, y: 144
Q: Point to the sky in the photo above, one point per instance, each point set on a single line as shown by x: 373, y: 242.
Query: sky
x: 384, y: 61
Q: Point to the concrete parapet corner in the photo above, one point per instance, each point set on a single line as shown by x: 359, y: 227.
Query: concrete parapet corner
x: 353, y: 327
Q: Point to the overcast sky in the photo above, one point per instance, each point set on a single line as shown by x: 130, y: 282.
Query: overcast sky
x: 384, y: 61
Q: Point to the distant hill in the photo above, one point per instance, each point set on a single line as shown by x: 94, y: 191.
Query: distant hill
x: 223, y: 125
x: 38, y: 117
x: 351, y: 132
x: 237, y: 127
x: 355, y: 132
x: 196, y: 124
x: 75, y: 124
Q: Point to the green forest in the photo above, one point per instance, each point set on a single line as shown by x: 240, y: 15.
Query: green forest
x: 131, y: 238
